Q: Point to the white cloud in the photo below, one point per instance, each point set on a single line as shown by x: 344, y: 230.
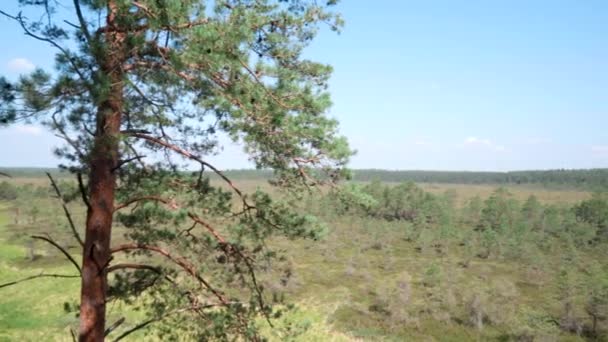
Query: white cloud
x: 20, y: 65
x: 484, y: 143
x: 28, y: 129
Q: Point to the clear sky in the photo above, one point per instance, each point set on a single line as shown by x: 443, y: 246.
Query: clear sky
x: 429, y: 84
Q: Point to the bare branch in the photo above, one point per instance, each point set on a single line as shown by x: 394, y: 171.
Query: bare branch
x: 114, y: 325
x: 21, y: 21
x: 138, y: 327
x: 41, y: 275
x: 73, y: 335
x: 71, y: 24
x: 83, y: 192
x: 181, y: 262
x: 134, y: 151
x: 142, y: 198
x: 67, y: 255
x: 65, y: 210
x: 83, y: 23
x: 191, y: 156
x: 174, y: 205
x: 133, y: 266
x: 63, y: 135
x: 121, y: 163
x: 208, y: 226
x: 160, y: 318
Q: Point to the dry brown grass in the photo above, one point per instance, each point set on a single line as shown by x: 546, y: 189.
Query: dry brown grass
x: 464, y: 192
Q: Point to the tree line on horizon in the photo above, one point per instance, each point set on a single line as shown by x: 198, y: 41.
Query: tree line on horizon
x: 584, y: 179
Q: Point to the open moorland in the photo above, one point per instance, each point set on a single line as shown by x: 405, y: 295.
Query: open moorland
x: 399, y: 261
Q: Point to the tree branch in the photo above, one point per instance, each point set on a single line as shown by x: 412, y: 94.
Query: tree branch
x: 19, y: 19
x: 41, y: 275
x: 261, y: 84
x: 160, y: 318
x: 73, y: 335
x: 133, y: 266
x: 63, y: 135
x: 181, y: 262
x: 174, y: 205
x: 65, y: 210
x: 210, y: 228
x: 83, y: 23
x: 67, y: 255
x: 114, y: 326
x: 191, y: 156
x: 121, y: 163
x: 139, y: 28
x: 83, y: 192
x: 142, y: 198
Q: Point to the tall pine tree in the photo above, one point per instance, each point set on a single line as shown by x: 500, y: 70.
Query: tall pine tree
x: 141, y: 92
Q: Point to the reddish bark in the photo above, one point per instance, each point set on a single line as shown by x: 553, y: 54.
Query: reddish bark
x: 102, y: 183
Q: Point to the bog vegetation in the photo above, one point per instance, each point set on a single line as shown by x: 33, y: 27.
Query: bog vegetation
x: 143, y: 93
x: 396, y: 262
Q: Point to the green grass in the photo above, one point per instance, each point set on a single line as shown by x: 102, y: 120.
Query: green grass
x: 32, y: 310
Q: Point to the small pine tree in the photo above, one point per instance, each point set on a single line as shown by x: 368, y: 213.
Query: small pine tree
x: 597, y: 297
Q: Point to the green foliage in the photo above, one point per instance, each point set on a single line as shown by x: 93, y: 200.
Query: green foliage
x: 351, y: 198
x: 499, y: 211
x: 8, y: 192
x: 595, y: 212
x: 532, y: 212
x: 432, y: 275
x: 471, y: 214
x: 405, y: 202
x: 597, y: 296
x: 148, y: 91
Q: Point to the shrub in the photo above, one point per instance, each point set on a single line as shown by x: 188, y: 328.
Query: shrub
x: 406, y: 202
x: 532, y: 212
x: 8, y: 192
x: 597, y: 297
x: 499, y: 212
x: 595, y: 212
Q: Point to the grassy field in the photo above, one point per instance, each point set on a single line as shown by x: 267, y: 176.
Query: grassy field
x: 365, y: 281
x: 32, y: 310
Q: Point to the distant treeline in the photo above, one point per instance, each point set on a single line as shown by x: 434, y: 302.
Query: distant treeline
x: 588, y: 179
x: 593, y: 179
x: 32, y: 172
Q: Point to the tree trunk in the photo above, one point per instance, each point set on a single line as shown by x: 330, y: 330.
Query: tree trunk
x: 102, y: 183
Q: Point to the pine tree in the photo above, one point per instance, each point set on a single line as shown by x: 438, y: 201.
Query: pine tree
x: 141, y: 91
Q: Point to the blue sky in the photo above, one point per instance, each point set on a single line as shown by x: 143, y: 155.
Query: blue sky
x: 442, y: 85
